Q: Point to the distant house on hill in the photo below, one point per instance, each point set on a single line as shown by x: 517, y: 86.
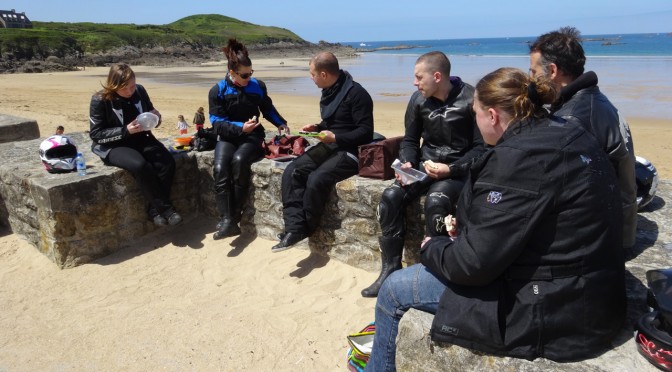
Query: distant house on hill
x: 12, y: 19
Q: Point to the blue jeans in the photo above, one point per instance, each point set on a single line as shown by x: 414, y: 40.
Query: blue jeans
x: 412, y: 287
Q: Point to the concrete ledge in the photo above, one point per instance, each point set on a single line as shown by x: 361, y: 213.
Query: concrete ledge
x: 14, y: 128
x: 349, y: 229
x: 74, y: 220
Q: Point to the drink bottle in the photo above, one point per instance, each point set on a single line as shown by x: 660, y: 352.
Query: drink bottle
x: 81, y: 164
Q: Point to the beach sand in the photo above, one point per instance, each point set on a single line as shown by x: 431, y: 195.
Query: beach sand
x: 179, y: 300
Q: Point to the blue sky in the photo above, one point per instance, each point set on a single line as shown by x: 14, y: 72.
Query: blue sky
x: 376, y: 20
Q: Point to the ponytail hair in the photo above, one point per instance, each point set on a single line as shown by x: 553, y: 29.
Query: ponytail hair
x: 516, y: 93
x: 236, y: 55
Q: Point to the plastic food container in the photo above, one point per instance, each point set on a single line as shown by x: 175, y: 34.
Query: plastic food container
x: 407, y: 175
x: 147, y: 120
x: 283, y: 161
x: 183, y: 141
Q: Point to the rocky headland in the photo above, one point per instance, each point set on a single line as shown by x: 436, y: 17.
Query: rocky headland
x: 168, y: 56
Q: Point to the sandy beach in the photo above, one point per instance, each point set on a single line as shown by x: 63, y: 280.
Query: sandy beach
x: 179, y: 300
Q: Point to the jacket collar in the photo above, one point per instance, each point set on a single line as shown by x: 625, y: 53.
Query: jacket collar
x: 586, y: 80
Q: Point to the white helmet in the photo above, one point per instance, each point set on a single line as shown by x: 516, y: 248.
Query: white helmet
x: 58, y: 154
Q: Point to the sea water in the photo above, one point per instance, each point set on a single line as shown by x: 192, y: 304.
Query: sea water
x: 634, y: 70
x: 594, y: 45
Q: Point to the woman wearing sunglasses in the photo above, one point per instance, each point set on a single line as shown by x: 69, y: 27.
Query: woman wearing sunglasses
x: 235, y: 104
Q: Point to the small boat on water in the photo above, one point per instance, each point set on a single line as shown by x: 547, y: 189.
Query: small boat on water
x: 362, y: 44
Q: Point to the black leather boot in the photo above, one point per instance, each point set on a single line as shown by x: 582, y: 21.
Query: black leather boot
x: 391, y: 249
x: 238, y: 203
x: 227, y: 226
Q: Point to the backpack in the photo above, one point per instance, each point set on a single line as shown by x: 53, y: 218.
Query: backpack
x: 375, y: 159
x: 206, y: 140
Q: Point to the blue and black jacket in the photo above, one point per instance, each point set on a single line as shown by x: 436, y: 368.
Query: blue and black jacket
x: 232, y: 105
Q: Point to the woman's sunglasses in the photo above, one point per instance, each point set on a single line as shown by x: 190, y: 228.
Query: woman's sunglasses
x: 246, y: 75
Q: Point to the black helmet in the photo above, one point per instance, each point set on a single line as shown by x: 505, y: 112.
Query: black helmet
x: 647, y: 181
x: 653, y: 343
x: 653, y: 331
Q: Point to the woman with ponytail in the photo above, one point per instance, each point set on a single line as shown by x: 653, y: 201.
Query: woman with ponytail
x: 534, y: 270
x: 235, y: 105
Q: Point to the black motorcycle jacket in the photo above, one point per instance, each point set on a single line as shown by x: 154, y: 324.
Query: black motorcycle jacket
x: 232, y: 105
x: 533, y: 271
x: 583, y: 100
x: 448, y: 130
x: 109, y: 118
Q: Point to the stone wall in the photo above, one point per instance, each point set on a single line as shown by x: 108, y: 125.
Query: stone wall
x: 74, y: 220
x: 653, y: 250
x: 14, y: 128
x: 349, y: 229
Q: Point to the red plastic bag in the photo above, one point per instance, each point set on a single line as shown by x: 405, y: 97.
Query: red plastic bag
x: 283, y: 145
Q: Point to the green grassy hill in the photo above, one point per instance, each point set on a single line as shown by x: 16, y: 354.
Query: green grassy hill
x: 78, y: 39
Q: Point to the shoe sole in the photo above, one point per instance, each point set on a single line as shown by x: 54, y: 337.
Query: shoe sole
x: 217, y: 236
x: 280, y: 249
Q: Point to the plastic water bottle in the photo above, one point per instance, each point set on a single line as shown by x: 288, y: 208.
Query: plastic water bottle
x: 81, y: 164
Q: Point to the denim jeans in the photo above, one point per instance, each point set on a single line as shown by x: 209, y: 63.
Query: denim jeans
x: 412, y: 287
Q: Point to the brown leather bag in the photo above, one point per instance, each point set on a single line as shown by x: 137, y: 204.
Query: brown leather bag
x: 376, y: 158
x: 280, y: 146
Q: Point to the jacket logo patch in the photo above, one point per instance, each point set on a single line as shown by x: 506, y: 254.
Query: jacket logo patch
x: 450, y: 330
x: 440, y: 223
x: 494, y: 197
x: 443, y: 112
x: 586, y: 159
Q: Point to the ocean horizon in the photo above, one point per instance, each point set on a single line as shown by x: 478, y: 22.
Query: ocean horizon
x: 607, y: 45
x: 633, y: 71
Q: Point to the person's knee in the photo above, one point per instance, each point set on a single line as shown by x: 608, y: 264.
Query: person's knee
x: 317, y: 181
x: 388, y: 207
x: 217, y: 170
x: 437, y: 206
x: 135, y: 168
x: 439, y: 200
x: 241, y: 163
x: 140, y: 168
x: 165, y: 167
x: 394, y: 290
